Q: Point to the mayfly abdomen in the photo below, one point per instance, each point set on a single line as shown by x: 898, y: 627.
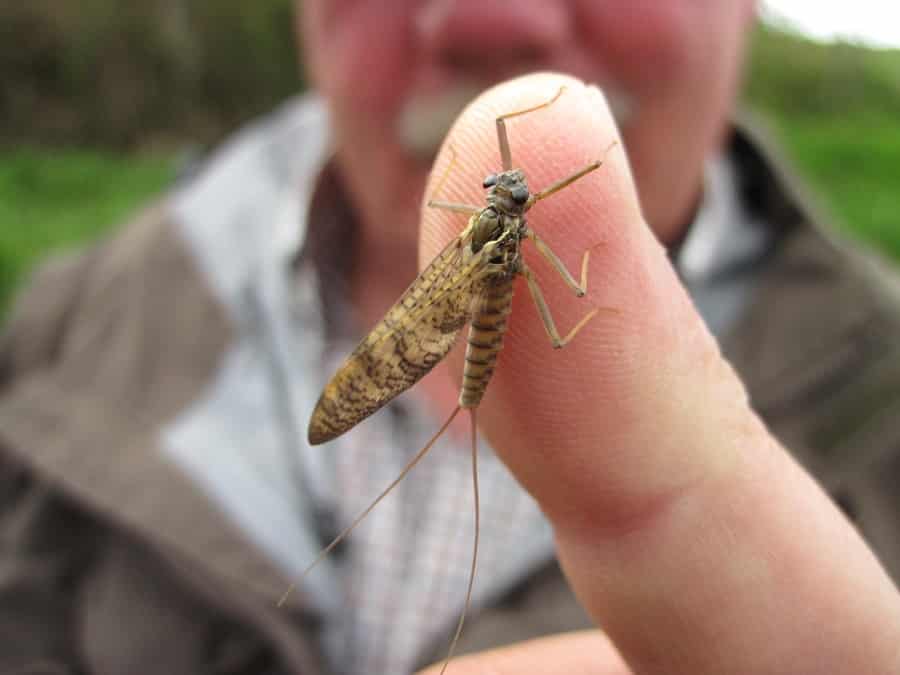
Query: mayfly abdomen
x: 485, y: 340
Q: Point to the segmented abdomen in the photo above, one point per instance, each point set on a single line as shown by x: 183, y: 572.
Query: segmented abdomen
x: 485, y: 340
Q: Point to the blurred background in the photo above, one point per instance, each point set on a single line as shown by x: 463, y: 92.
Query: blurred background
x: 103, y: 101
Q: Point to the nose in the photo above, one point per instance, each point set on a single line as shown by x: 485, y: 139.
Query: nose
x: 476, y: 32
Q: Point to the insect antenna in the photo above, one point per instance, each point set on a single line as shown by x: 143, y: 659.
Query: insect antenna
x: 503, y: 139
x: 559, y: 185
x: 462, y: 617
x: 352, y: 526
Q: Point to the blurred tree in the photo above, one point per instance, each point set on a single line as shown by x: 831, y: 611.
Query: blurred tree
x: 798, y: 78
x: 116, y: 73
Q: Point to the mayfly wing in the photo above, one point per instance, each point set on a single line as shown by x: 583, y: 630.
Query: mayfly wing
x: 414, y: 335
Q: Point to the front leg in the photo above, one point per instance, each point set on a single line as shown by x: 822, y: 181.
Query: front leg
x: 544, y: 311
x: 579, y: 288
x: 468, y: 209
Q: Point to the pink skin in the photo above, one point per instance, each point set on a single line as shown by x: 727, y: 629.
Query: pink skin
x: 677, y: 60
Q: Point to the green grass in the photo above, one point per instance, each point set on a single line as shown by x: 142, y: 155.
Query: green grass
x: 837, y: 110
x: 54, y: 199
x: 853, y: 165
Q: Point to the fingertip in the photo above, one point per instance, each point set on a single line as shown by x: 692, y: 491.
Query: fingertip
x: 575, y: 129
x: 623, y: 365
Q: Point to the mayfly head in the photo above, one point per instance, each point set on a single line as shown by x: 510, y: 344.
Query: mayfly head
x: 508, y: 192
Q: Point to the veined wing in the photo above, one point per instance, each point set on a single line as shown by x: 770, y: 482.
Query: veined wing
x: 415, y: 334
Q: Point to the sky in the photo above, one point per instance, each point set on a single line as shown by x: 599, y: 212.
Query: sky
x: 874, y: 21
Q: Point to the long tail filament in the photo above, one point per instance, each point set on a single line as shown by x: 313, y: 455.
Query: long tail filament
x: 338, y: 539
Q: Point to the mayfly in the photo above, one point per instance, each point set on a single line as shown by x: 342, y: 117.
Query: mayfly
x: 471, y: 281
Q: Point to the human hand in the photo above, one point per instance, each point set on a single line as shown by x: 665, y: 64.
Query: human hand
x: 688, y: 533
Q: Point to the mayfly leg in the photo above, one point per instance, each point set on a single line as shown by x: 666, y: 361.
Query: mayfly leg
x: 565, y: 182
x: 502, y: 138
x: 579, y: 288
x: 468, y: 209
x: 547, y: 318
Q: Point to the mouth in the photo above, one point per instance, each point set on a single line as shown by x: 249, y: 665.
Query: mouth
x: 424, y: 120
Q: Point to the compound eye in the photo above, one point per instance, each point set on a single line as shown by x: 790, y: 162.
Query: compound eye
x: 490, y: 181
x: 519, y: 194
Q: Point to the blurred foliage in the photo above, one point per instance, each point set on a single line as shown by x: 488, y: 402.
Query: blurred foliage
x: 800, y: 79
x: 53, y: 200
x: 120, y: 74
x: 164, y: 73
x: 855, y: 170
x: 836, y: 109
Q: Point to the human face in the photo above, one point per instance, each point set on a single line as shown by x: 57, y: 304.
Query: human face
x: 396, y: 73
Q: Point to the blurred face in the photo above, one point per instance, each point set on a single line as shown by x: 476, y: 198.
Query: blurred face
x: 395, y: 74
